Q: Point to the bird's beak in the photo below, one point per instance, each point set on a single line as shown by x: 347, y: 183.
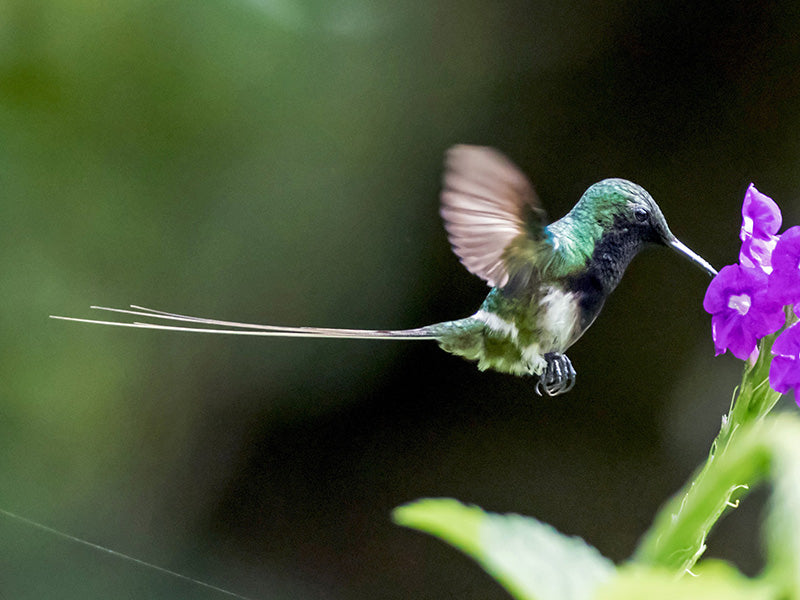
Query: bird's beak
x: 679, y: 246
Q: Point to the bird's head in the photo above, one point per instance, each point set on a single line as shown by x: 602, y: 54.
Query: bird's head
x: 622, y: 209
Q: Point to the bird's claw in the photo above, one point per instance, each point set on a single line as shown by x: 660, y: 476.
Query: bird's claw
x: 558, y: 376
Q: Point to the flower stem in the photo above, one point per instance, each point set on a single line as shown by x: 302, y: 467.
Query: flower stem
x: 755, y: 397
x: 677, y: 538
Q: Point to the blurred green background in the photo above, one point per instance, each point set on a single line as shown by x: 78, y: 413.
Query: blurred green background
x: 278, y: 161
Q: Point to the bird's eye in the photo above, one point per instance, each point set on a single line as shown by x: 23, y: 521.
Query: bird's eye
x: 641, y: 214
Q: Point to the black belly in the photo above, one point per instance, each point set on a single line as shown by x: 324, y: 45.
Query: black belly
x: 591, y: 297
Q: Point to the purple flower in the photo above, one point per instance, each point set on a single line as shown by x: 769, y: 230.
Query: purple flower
x: 784, y: 282
x: 742, y: 311
x: 761, y: 220
x: 784, y: 371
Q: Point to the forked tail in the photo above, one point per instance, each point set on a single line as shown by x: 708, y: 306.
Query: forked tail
x: 202, y: 325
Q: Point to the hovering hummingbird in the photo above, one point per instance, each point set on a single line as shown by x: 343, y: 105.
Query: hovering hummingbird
x: 548, y: 282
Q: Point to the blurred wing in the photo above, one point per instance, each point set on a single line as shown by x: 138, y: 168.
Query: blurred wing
x: 488, y: 203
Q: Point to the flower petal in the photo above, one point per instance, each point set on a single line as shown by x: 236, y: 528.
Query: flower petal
x: 761, y: 220
x: 757, y: 253
x: 784, y: 281
x: 784, y: 371
x: 742, y: 310
x: 729, y: 334
x: 788, y: 342
x: 782, y: 376
x: 761, y: 216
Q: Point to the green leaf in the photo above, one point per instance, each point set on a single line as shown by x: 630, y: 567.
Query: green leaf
x: 714, y: 581
x: 782, y: 526
x: 738, y: 459
x: 676, y: 540
x: 766, y: 449
x: 531, y: 560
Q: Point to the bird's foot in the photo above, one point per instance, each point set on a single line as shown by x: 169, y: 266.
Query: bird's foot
x: 558, y: 376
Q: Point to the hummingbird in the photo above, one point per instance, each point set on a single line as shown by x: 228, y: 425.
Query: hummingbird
x: 548, y: 281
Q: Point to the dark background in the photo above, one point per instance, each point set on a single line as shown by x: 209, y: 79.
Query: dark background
x: 278, y: 161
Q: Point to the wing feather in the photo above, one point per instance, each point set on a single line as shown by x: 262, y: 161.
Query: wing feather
x: 487, y: 203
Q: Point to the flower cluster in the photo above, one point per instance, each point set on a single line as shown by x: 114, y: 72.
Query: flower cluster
x: 747, y: 300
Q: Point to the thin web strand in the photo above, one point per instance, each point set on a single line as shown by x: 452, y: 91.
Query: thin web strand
x: 138, y: 561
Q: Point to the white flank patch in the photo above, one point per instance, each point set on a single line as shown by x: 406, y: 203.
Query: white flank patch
x: 496, y: 323
x: 559, y: 316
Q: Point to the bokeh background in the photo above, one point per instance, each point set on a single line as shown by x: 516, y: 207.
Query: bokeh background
x: 278, y: 161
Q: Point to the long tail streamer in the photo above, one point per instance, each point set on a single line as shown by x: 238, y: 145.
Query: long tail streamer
x: 235, y: 328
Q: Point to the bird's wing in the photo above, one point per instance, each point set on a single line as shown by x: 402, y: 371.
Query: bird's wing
x: 490, y: 212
